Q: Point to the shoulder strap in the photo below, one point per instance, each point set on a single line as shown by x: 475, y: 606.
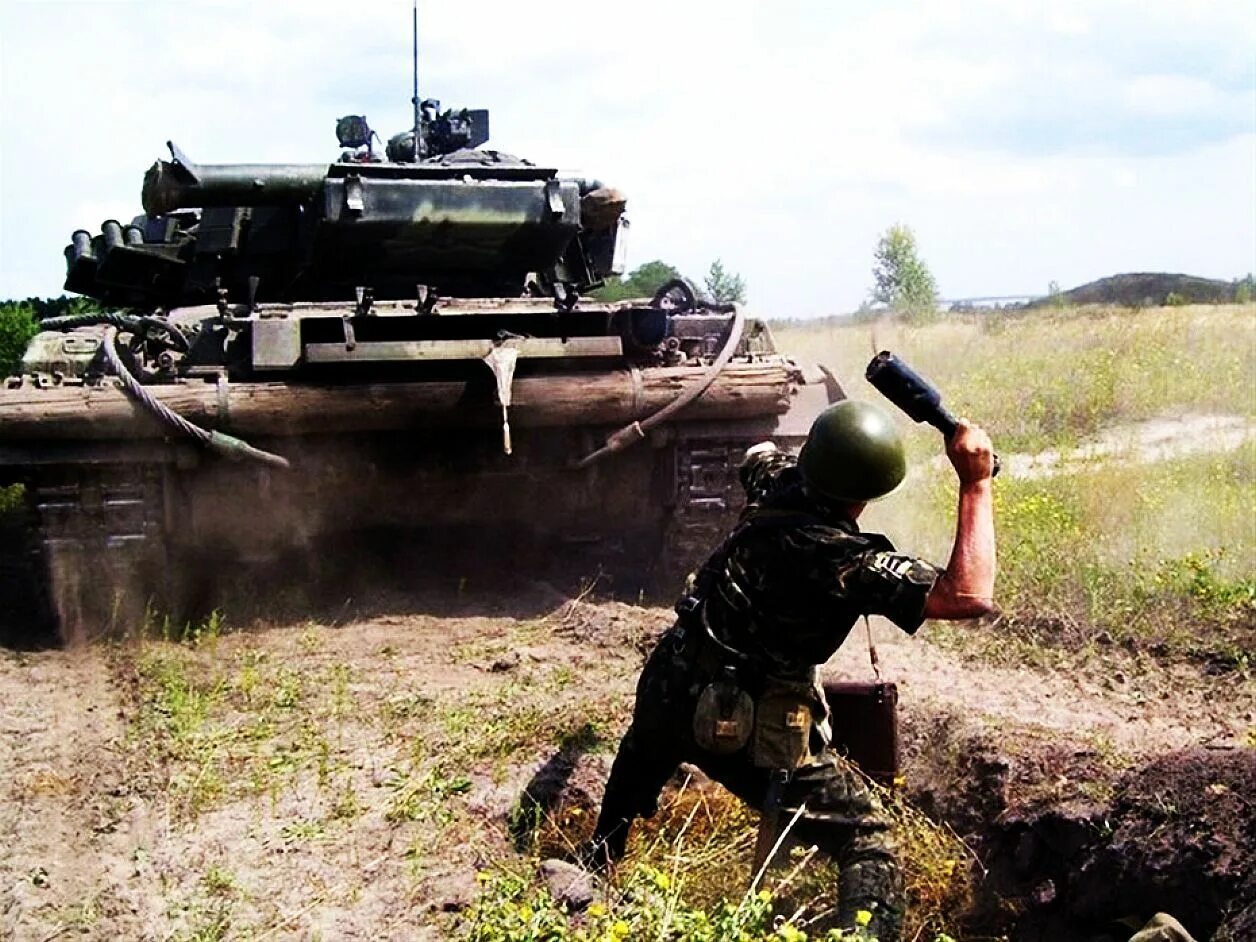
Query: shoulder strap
x: 759, y: 518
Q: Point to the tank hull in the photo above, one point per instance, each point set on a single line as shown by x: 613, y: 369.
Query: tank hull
x: 125, y: 512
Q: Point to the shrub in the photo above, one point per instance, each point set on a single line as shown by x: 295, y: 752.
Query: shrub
x: 17, y: 327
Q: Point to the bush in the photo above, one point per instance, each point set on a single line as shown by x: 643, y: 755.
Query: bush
x: 641, y: 282
x: 17, y: 327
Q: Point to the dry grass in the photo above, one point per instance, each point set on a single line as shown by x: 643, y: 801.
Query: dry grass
x: 694, y: 860
x: 1051, y: 379
x: 1155, y: 555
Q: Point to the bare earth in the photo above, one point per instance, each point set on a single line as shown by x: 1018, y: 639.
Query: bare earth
x: 345, y: 781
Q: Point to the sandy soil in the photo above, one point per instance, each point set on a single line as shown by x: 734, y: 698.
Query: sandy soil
x: 100, y: 842
x: 1139, y: 442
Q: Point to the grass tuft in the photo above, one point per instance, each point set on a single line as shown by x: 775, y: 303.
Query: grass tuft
x: 686, y: 877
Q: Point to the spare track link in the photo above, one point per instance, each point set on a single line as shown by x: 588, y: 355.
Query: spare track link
x: 102, y: 537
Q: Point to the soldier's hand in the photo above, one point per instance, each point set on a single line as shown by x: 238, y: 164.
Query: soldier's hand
x: 971, y: 453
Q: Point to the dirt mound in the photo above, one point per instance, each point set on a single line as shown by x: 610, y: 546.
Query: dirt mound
x: 1183, y: 839
x: 1074, y: 849
x: 1147, y: 289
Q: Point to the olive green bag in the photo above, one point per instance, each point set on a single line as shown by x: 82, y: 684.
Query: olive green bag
x: 723, y: 718
x: 782, y: 728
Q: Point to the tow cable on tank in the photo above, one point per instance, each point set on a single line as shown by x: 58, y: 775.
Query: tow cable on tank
x: 135, y: 323
x: 219, y: 442
x: 634, y: 432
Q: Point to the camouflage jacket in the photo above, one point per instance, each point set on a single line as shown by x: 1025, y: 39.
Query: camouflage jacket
x: 786, y: 592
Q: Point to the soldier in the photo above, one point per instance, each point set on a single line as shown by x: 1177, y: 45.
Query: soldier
x: 732, y: 686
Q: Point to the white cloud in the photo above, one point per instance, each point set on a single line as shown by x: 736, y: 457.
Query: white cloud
x: 1170, y: 95
x: 1024, y: 142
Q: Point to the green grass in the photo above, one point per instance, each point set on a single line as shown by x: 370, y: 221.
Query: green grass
x: 1156, y: 557
x: 1153, y: 558
x: 218, y: 726
x: 1053, y: 378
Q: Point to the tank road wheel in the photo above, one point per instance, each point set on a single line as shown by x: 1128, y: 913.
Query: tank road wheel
x: 102, y: 539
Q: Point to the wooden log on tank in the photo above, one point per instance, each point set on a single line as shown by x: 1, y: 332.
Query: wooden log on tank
x: 595, y: 398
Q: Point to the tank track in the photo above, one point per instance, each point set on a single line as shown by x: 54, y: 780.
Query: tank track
x: 709, y: 499
x: 101, y: 536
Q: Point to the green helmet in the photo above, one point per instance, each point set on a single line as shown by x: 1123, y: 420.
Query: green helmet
x: 853, y: 453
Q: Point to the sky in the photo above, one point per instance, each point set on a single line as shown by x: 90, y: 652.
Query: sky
x: 1024, y: 143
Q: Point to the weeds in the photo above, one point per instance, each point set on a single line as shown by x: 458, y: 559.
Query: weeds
x: 1154, y: 556
x: 1050, y: 379
x: 211, y: 923
x: 649, y: 904
x: 219, y: 882
x: 687, y: 877
x: 12, y: 499
x: 217, y: 725
x: 425, y: 797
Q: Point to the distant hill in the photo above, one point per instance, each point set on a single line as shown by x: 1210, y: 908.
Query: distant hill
x: 1146, y: 289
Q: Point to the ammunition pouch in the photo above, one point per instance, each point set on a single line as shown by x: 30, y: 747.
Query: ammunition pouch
x: 782, y: 727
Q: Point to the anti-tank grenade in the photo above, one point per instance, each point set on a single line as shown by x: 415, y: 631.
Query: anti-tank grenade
x: 408, y: 341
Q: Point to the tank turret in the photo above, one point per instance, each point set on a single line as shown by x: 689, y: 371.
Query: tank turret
x: 438, y: 212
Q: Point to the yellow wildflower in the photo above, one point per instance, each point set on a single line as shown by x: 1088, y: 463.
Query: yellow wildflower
x: 863, y: 917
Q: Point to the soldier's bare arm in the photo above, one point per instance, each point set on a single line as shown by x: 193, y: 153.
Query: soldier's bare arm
x: 966, y: 588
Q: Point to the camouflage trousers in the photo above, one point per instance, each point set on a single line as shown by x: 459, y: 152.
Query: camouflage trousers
x: 841, y: 816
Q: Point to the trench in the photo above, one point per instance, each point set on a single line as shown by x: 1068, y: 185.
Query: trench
x: 1078, y: 845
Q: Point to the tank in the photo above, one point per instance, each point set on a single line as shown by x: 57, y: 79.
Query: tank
x: 407, y: 341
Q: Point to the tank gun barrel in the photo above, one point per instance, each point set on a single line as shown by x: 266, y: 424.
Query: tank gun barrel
x: 181, y: 184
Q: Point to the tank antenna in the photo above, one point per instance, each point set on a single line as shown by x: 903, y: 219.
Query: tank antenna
x: 415, y: 99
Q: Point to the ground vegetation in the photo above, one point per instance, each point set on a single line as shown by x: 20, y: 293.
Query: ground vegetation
x: 394, y: 757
